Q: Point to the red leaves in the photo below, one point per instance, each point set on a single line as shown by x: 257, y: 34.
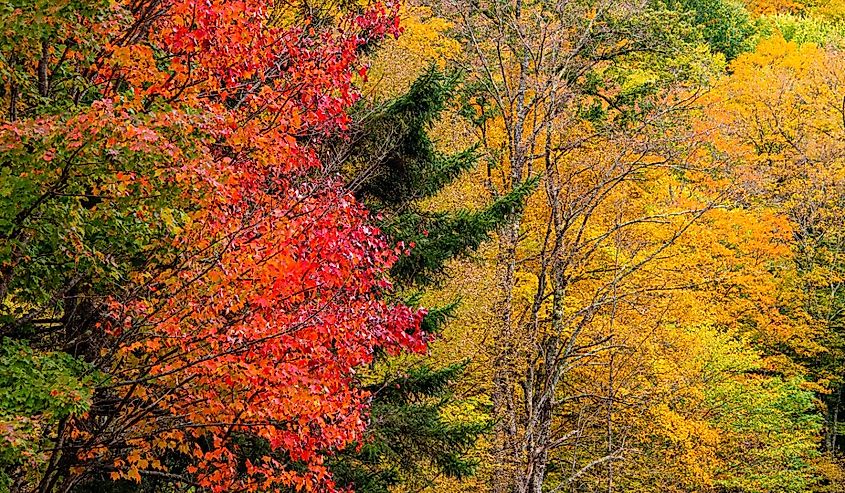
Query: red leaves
x: 277, y: 287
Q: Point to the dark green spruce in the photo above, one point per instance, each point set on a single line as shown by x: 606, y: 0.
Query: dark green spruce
x: 392, y: 164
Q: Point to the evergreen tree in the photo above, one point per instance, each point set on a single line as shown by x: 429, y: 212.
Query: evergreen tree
x: 407, y: 435
x: 392, y: 165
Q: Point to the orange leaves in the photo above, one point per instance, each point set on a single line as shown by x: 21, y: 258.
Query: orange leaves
x: 135, y: 463
x: 775, y: 119
x: 251, y: 283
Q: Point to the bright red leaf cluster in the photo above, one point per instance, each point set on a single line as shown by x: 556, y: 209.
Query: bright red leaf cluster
x: 231, y: 352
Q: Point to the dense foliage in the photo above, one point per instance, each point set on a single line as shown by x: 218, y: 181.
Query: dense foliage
x: 168, y: 225
x: 498, y: 246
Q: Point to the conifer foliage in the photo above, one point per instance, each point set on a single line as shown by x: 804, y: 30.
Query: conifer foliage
x: 394, y: 166
x: 408, y: 437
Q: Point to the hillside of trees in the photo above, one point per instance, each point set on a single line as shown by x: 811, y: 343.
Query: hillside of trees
x: 457, y: 246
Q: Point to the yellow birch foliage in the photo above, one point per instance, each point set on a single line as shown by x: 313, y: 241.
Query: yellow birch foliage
x: 694, y: 363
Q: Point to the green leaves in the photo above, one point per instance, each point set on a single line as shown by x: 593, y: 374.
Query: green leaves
x: 725, y: 25
x: 51, y: 385
x: 37, y: 391
x: 775, y: 425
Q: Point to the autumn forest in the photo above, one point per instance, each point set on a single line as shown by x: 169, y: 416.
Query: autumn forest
x: 480, y: 246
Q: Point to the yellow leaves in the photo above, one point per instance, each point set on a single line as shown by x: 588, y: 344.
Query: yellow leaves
x: 137, y: 63
x: 820, y: 387
x: 692, y: 434
x: 830, y: 471
x: 770, y: 7
x: 637, y: 79
x: 833, y: 10
x: 166, y: 215
x: 127, y: 469
x: 778, y: 125
x: 424, y: 41
x: 779, y: 89
x: 140, y: 391
x: 134, y: 457
x: 133, y: 474
x: 524, y: 287
x: 726, y: 280
x: 780, y: 94
x: 772, y: 53
x: 138, y: 460
x: 691, y: 384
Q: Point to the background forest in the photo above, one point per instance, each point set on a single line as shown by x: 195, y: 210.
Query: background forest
x: 488, y: 246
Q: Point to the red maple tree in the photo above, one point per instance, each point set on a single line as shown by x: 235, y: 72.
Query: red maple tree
x: 226, y: 353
